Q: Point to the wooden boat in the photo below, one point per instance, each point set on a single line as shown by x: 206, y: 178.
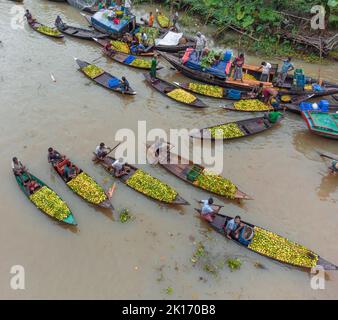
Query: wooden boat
x: 127, y: 59
x: 247, y: 127
x: 327, y: 155
x: 76, y: 32
x: 220, y: 221
x: 321, y: 123
x: 181, y: 168
x: 232, y: 108
x: 188, y: 86
x: 327, y: 91
x: 166, y: 87
x: 59, y: 169
x: 103, y: 79
x: 91, y: 10
x: 209, y: 78
x: 107, y: 162
x: 103, y: 42
x: 35, y: 26
x: 295, y: 108
x: 68, y: 220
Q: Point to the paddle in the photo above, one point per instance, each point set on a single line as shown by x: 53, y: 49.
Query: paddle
x: 326, y: 156
x: 111, y: 150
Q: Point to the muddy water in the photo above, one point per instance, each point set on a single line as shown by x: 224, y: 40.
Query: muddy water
x: 293, y: 194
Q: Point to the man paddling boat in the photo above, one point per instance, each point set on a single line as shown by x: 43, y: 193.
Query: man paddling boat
x: 101, y: 151
x: 208, y: 212
x: 18, y: 168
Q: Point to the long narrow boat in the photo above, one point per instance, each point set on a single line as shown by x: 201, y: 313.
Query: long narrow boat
x: 326, y: 91
x: 197, y: 175
x: 328, y: 155
x: 254, y: 105
x: 46, y: 200
x: 296, y: 108
x: 103, y: 78
x: 76, y: 32
x: 236, y: 129
x: 212, y: 91
x: 128, y: 59
x: 83, y: 185
x: 45, y: 30
x: 273, y: 246
x: 126, y: 47
x: 142, y: 182
x: 209, y: 78
x: 322, y: 123
x: 170, y: 90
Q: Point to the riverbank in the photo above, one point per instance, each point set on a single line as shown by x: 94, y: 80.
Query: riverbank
x: 250, y: 30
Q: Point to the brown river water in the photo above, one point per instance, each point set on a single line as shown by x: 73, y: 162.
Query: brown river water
x: 293, y: 193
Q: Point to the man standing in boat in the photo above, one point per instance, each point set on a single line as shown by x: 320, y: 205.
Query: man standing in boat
x: 286, y: 67
x: 127, y: 7
x: 201, y: 43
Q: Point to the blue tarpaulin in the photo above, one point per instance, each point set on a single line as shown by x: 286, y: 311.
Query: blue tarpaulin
x: 129, y: 59
x: 113, y: 82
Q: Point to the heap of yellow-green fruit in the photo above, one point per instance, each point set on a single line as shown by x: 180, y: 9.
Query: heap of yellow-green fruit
x: 48, y: 30
x: 226, y: 131
x: 49, y: 202
x: 247, y: 76
x: 151, y: 32
x: 92, y: 71
x: 152, y: 187
x: 215, y: 183
x: 282, y: 249
x: 87, y: 188
x: 181, y: 95
x: 251, y: 105
x: 120, y: 46
x: 141, y: 63
x: 206, y: 89
x: 163, y: 21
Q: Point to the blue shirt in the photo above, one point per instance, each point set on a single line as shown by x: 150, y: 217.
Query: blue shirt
x: 232, y: 225
x: 206, y: 209
x: 286, y: 66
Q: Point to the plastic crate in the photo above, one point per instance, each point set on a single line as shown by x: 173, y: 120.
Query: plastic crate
x: 194, y: 172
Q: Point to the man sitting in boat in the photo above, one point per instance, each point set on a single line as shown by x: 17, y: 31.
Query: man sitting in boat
x: 120, y: 168
x: 18, y: 168
x: 69, y: 171
x: 208, y: 212
x: 246, y: 235
x: 144, y: 39
x: 124, y: 86
x: 233, y: 228
x: 137, y: 48
x: 101, y: 151
x: 128, y: 38
x: 54, y: 156
x: 31, y: 186
x: 61, y: 24
x: 29, y: 16
x: 334, y: 167
x: 257, y: 91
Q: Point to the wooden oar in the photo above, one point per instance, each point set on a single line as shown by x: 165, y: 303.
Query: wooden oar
x: 111, y: 150
x: 326, y: 156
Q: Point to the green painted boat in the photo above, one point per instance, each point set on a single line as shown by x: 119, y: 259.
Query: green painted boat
x: 68, y: 220
x: 322, y: 123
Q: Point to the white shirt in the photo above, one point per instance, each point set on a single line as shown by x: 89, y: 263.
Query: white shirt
x: 144, y: 37
x: 127, y: 3
x: 201, y: 42
x: 266, y: 68
x: 97, y: 150
x: 206, y: 209
x: 117, y: 165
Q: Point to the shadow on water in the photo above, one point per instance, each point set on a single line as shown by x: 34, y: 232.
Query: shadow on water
x: 328, y: 186
x: 307, y: 144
